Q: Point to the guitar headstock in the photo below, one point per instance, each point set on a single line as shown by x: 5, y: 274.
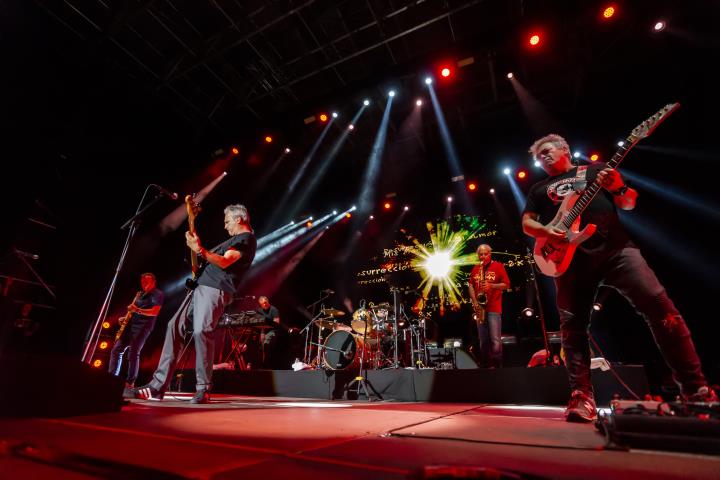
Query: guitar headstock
x: 193, y: 208
x: 648, y: 126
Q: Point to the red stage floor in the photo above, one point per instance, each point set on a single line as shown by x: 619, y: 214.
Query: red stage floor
x: 251, y: 437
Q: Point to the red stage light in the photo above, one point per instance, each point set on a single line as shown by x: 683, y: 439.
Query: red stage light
x: 106, y: 324
x: 97, y: 363
x: 268, y: 139
x: 103, y: 345
x: 348, y: 215
x: 235, y: 151
x: 445, y: 72
x: 534, y: 40
x: 309, y: 224
x: 472, y: 187
x: 323, y: 117
x: 522, y: 174
x: 387, y: 205
x: 594, y: 157
x: 608, y: 12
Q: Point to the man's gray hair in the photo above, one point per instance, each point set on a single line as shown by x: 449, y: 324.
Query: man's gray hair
x: 554, y: 138
x: 483, y: 245
x: 238, y: 211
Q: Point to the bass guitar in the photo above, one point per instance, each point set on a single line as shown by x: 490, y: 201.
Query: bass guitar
x: 193, y: 209
x: 552, y: 257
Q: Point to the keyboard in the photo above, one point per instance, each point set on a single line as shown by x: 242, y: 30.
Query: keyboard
x: 243, y: 319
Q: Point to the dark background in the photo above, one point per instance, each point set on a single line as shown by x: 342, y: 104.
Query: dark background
x: 101, y: 99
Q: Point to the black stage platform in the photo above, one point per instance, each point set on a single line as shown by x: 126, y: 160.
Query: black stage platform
x: 518, y: 385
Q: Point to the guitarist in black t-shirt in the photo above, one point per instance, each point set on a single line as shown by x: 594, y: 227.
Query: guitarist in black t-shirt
x: 203, y: 306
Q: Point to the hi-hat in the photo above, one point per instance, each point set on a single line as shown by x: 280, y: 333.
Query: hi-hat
x: 332, y: 312
x: 381, y: 305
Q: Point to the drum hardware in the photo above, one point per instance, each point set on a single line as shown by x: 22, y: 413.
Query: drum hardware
x: 331, y: 312
x: 362, y: 383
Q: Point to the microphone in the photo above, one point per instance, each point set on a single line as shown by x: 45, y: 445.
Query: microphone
x: 328, y: 291
x: 166, y: 192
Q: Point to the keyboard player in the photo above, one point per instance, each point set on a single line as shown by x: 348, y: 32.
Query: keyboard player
x: 275, y: 341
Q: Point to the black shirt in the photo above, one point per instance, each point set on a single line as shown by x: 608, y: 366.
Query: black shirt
x: 229, y: 279
x: 152, y: 298
x: 269, y: 314
x: 545, y: 197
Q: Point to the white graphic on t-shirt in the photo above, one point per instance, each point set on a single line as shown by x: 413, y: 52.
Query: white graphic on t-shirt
x: 557, y: 191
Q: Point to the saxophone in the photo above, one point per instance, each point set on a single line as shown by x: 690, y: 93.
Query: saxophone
x: 480, y: 300
x: 126, y: 319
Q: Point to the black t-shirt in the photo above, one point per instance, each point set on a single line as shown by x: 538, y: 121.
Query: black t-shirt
x: 153, y: 298
x: 229, y: 279
x: 545, y: 197
x: 269, y: 315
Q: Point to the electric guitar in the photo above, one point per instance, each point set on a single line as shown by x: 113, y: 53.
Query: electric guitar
x: 126, y: 319
x: 193, y: 209
x: 552, y: 257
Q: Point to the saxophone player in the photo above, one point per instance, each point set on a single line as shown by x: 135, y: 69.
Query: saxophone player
x: 487, y: 281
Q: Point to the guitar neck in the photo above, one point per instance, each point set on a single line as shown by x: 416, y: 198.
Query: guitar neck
x: 589, y: 194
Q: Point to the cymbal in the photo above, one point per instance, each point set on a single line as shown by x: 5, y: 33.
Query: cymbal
x: 332, y: 312
x: 381, y: 305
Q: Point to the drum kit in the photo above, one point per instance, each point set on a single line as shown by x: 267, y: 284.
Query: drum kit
x: 373, y: 339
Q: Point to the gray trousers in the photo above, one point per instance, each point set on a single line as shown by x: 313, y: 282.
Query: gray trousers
x: 202, y: 309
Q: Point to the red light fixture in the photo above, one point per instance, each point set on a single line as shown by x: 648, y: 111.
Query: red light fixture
x: 323, y: 117
x: 534, y: 40
x: 445, y: 72
x: 387, y: 205
x: 97, y: 363
x: 103, y: 345
x: 472, y: 187
x: 106, y: 325
x: 348, y: 215
x: 235, y: 151
x: 268, y: 139
x: 521, y: 174
x: 594, y: 157
x: 608, y: 12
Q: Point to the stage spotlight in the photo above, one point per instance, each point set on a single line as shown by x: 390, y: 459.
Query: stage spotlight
x: 287, y: 149
x: 268, y: 139
x: 449, y: 199
x: 594, y: 157
x: 608, y: 12
x: 438, y: 264
x: 103, y: 345
x: 597, y: 306
x: 348, y: 215
x: 353, y: 208
x: 528, y: 312
x: 310, y: 218
x: 534, y: 40
x: 323, y: 117
x: 106, y: 324
x: 387, y: 205
x: 309, y: 224
x: 521, y: 174
x: 472, y: 187
x: 366, y: 102
x: 235, y: 151
x: 418, y: 102
x: 428, y: 80
x: 537, y: 164
x: 97, y: 363
x: 506, y: 171
x: 492, y: 191
x: 292, y: 222
x: 372, y: 217
x: 335, y: 114
x: 391, y: 93
x: 510, y: 75
x: 621, y: 143
x: 659, y: 26
x: 406, y: 208
x: 445, y: 72
x: 334, y: 212
x: 351, y: 127
x: 576, y: 154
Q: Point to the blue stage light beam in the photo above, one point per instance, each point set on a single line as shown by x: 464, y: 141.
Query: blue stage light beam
x: 292, y: 225
x: 325, y: 164
x: 517, y: 193
x: 373, y: 167
x: 450, y: 151
x: 701, y: 207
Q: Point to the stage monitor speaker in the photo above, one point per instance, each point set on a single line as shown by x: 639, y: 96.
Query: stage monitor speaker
x: 458, y: 357
x: 55, y: 386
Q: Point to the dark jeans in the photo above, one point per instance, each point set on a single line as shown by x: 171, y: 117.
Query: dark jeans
x: 490, y: 336
x: 627, y: 272
x: 132, y: 340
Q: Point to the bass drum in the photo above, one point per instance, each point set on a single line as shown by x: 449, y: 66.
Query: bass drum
x: 342, y: 350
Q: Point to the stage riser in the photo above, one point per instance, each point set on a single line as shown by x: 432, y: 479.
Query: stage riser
x: 544, y: 386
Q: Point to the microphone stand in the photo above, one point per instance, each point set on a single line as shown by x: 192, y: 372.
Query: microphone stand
x: 541, y: 314
x: 93, y: 336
